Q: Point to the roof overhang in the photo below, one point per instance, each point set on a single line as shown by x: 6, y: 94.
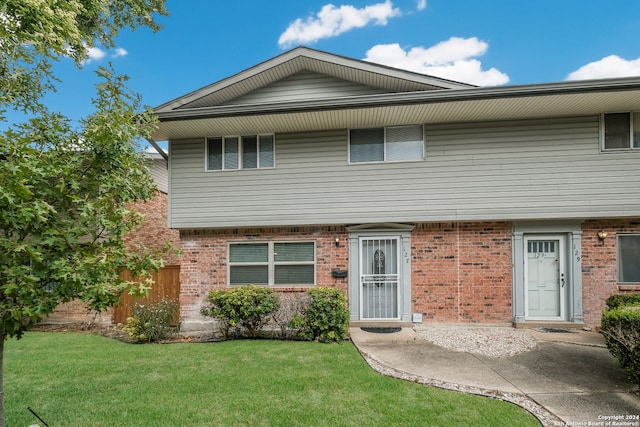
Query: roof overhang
x: 434, y: 106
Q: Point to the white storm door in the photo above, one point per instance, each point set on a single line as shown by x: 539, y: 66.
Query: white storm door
x: 545, y: 278
x: 379, y: 278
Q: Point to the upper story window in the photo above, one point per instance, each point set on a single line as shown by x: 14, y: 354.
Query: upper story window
x: 240, y: 152
x: 621, y: 131
x: 389, y: 144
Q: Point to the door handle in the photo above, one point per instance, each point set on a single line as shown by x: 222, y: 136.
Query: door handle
x: 562, y: 280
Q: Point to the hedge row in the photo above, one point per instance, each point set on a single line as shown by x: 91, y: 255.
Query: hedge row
x: 319, y: 314
x: 621, y: 329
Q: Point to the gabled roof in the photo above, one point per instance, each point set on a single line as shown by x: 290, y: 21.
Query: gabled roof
x: 393, y: 97
x: 304, y: 59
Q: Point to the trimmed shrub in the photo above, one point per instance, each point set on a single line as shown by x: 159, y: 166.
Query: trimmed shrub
x: 326, y: 319
x: 621, y: 329
x: 246, y: 308
x: 152, y: 322
x: 615, y: 301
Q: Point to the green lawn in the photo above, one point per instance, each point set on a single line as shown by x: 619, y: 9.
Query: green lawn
x: 73, y: 379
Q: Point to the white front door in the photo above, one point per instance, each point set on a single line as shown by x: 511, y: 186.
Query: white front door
x: 379, y: 278
x: 545, y: 277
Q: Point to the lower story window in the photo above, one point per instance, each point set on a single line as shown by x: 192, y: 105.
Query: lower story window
x: 629, y: 258
x: 272, y: 263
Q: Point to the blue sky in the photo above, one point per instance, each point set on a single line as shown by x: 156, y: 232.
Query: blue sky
x: 494, y: 42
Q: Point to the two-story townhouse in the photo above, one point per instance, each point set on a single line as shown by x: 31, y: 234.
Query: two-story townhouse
x: 425, y: 199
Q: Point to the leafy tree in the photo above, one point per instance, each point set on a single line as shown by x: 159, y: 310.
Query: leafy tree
x: 65, y: 188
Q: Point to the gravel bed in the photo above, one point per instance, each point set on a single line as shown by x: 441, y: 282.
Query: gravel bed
x: 481, y: 340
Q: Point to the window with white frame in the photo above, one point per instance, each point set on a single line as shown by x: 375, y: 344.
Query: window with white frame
x: 620, y: 131
x: 272, y: 263
x: 629, y: 258
x: 240, y: 152
x: 389, y: 144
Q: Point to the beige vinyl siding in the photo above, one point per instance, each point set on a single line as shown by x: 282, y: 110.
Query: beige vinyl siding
x: 478, y: 171
x: 305, y: 85
x: 159, y: 173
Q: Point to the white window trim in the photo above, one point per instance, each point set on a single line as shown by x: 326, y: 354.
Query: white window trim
x: 602, y: 133
x: 271, y: 262
x: 240, y: 152
x: 619, y: 256
x: 384, y: 145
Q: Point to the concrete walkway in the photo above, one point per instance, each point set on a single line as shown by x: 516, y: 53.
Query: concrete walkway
x: 568, y: 379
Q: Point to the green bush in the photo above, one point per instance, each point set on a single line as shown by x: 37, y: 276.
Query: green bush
x: 245, y: 308
x: 152, y: 322
x: 621, y: 329
x: 326, y: 319
x: 615, y: 301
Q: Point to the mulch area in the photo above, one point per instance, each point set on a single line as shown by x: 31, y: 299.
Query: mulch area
x: 111, y: 332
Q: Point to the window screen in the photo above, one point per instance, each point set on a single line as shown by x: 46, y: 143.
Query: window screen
x: 214, y: 150
x: 266, y: 151
x: 294, y: 274
x: 616, y: 131
x: 293, y: 251
x: 231, y: 153
x: 405, y: 143
x: 249, y: 275
x: 367, y: 145
x: 249, y: 252
x: 249, y: 264
x: 249, y: 152
x: 636, y: 130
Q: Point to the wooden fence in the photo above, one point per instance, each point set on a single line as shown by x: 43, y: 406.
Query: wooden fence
x: 166, y: 285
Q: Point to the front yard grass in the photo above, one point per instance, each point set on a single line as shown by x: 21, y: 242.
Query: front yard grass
x: 74, y: 379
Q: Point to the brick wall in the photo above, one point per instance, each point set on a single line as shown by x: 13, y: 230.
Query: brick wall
x: 462, y: 272
x: 76, y: 312
x: 154, y: 233
x: 599, y: 265
x: 204, y: 263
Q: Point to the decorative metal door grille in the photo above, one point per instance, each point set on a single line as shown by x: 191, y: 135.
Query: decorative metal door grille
x: 379, y: 277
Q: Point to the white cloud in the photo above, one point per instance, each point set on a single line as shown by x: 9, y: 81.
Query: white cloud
x: 453, y: 59
x: 332, y: 20
x: 118, y: 52
x: 95, y: 54
x: 610, y: 66
x: 422, y: 4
